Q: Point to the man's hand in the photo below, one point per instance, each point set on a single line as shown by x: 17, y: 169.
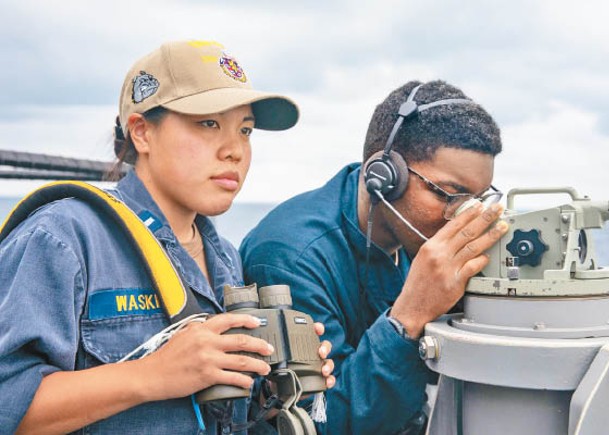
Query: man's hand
x: 326, y: 369
x: 324, y: 351
x: 444, y: 264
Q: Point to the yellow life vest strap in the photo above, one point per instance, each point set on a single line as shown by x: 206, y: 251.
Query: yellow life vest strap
x: 177, y: 299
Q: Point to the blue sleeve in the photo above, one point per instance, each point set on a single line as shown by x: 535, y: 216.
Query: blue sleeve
x: 40, y: 304
x: 380, y: 381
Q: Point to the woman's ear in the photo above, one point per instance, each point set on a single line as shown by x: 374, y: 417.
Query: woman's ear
x: 138, y: 129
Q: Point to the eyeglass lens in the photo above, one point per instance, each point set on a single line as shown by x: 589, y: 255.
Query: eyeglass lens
x: 458, y: 205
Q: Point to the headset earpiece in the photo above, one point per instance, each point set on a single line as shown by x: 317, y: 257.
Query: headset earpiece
x: 388, y: 175
x: 401, y: 170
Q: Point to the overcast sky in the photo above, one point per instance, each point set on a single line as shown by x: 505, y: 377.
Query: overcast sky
x: 539, y: 67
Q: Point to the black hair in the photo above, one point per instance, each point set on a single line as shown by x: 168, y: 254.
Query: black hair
x: 123, y: 146
x: 462, y: 126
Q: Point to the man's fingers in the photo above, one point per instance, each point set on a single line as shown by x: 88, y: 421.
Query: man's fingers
x: 467, y: 233
x: 319, y: 328
x: 324, y: 349
x: 327, y: 368
x: 492, y: 213
x: 473, y: 253
x: 472, y: 267
x: 472, y: 232
x: 476, y: 247
x: 497, y: 231
x: 454, y: 226
x: 481, y: 223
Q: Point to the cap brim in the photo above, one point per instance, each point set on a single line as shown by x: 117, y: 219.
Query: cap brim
x: 272, y: 112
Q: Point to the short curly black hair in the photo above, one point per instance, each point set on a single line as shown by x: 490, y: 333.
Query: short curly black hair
x: 463, y: 126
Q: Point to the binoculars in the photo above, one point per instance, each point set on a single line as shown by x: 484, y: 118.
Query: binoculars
x: 290, y: 332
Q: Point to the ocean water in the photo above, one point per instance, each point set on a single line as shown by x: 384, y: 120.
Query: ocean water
x: 242, y: 217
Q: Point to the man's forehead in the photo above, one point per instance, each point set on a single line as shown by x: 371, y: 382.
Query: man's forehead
x: 463, y: 170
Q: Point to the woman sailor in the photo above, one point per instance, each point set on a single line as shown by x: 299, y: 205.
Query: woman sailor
x: 74, y: 297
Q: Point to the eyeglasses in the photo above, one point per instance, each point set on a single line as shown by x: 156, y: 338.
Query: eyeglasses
x: 456, y: 200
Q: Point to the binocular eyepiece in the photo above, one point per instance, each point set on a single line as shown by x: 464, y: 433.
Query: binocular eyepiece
x: 290, y: 332
x: 243, y: 298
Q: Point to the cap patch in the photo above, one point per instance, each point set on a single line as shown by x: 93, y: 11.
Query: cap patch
x: 144, y: 85
x: 231, y: 68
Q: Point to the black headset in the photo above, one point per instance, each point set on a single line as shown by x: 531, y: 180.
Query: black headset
x: 388, y: 175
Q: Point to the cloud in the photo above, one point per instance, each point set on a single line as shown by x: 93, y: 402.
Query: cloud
x: 305, y: 157
x: 539, y: 67
x: 563, y: 148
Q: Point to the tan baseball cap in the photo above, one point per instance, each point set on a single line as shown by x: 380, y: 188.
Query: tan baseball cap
x: 199, y: 78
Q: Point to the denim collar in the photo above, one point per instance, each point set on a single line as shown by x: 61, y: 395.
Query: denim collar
x: 133, y: 192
